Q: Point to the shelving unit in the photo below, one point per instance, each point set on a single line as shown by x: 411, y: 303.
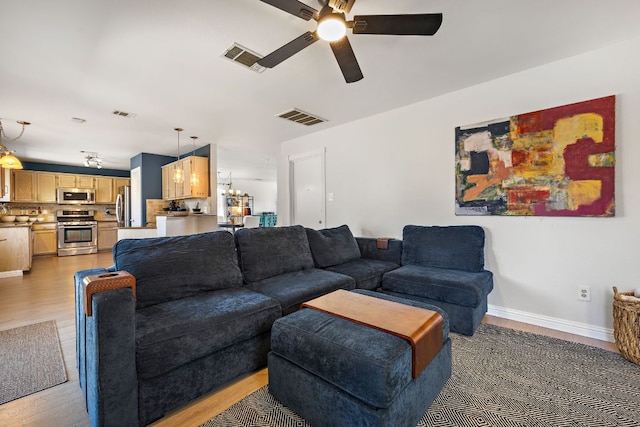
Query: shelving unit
x: 238, y: 206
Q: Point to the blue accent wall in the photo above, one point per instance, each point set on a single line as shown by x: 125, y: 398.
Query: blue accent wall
x: 78, y: 170
x: 151, y: 173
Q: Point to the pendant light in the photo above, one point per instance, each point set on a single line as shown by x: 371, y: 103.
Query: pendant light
x: 7, y: 159
x: 178, y: 173
x: 195, y: 180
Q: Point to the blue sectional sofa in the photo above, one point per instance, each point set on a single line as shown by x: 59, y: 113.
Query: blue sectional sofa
x: 205, y: 305
x: 192, y: 328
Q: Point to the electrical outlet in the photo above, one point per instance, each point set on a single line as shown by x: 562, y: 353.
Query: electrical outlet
x: 584, y: 293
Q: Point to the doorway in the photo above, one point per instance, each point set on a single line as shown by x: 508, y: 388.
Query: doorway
x: 307, y: 189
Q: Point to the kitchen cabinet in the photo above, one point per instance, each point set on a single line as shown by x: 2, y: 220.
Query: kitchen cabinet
x: 15, y: 248
x: 168, y: 186
x: 30, y: 186
x: 5, y: 184
x: 196, y: 179
x: 85, y: 181
x: 107, y: 234
x: 105, y: 192
x: 45, y: 239
x: 45, y: 187
x: 24, y: 186
x: 120, y: 182
x: 67, y: 180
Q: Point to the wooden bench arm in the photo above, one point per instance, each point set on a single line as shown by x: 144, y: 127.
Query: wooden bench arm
x: 106, y: 282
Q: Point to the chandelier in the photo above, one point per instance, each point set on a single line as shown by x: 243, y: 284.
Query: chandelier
x: 178, y: 173
x: 92, y: 159
x: 7, y: 159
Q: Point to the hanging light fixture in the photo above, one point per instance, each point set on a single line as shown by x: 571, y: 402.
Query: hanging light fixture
x: 195, y: 180
x: 178, y: 173
x: 7, y: 159
x: 92, y: 159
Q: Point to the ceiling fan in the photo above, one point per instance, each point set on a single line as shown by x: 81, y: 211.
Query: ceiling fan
x: 332, y: 26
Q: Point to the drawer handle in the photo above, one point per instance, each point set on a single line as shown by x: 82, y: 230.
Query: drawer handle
x: 3, y: 240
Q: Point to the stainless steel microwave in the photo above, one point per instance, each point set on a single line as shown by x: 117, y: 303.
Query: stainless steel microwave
x: 76, y: 196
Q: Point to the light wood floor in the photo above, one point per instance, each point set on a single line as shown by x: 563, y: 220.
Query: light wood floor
x: 46, y: 293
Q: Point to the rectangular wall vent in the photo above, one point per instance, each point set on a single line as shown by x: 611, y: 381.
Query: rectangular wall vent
x: 245, y: 57
x: 123, y: 114
x: 299, y: 116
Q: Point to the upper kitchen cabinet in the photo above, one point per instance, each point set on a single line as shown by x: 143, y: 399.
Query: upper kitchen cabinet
x: 24, y: 186
x: 195, y: 171
x: 168, y: 185
x: 198, y: 178
x: 5, y: 180
x: 46, y: 187
x: 107, y: 188
x: 29, y: 186
x: 120, y: 182
x: 105, y: 192
x: 67, y: 180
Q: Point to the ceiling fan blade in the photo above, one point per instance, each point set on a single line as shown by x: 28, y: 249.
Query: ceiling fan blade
x: 295, y: 8
x: 288, y: 50
x: 346, y: 60
x: 424, y: 24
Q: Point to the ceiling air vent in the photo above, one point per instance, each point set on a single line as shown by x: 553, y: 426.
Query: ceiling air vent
x: 299, y: 116
x: 245, y: 57
x: 123, y: 114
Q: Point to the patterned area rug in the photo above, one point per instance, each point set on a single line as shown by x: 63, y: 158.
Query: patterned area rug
x: 30, y: 360
x: 503, y: 377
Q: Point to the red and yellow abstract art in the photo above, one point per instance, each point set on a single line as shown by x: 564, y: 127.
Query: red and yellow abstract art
x: 554, y: 162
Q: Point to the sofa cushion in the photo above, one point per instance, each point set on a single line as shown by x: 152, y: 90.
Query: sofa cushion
x: 270, y: 251
x: 292, y: 289
x: 168, y: 268
x: 459, y: 247
x: 458, y: 287
x: 366, y: 272
x: 173, y: 333
x: 332, y: 246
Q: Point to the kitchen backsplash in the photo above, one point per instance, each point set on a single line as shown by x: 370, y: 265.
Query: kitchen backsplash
x: 48, y: 211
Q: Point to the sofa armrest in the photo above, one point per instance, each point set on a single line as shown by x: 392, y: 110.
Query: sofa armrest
x: 107, y: 355
x: 369, y: 249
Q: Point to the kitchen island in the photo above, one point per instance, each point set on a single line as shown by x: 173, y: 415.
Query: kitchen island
x: 168, y: 224
x: 15, y: 249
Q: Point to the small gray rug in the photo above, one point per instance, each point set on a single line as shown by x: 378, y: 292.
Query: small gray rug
x: 30, y: 360
x: 503, y: 377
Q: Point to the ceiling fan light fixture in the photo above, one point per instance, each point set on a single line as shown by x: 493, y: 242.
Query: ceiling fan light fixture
x: 332, y: 27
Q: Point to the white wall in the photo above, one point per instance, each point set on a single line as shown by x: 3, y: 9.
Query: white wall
x: 397, y: 168
x: 265, y: 193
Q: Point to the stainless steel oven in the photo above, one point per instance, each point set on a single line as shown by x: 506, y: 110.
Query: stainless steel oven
x: 77, y: 232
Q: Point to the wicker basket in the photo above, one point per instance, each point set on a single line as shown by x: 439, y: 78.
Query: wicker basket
x: 626, y: 324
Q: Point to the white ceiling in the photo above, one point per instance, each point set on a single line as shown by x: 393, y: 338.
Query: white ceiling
x: 162, y: 60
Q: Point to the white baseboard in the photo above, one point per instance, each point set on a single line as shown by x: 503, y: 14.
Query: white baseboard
x: 11, y: 273
x: 583, y: 329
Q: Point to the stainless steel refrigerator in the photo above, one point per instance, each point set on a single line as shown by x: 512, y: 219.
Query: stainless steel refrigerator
x: 123, y: 206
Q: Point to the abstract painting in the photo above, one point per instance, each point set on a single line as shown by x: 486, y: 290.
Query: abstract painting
x: 554, y: 162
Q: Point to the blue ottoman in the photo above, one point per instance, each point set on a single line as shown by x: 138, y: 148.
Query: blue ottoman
x: 334, y: 372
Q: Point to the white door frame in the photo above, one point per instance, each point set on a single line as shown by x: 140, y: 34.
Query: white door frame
x: 303, y: 156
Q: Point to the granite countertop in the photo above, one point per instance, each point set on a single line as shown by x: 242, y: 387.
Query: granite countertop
x: 179, y: 214
x: 14, y: 224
